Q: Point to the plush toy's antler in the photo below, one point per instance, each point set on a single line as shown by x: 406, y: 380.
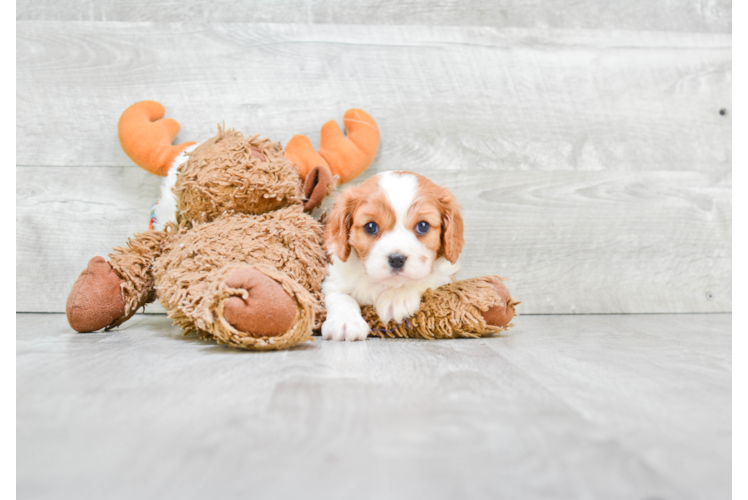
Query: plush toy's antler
x: 146, y: 138
x: 346, y: 157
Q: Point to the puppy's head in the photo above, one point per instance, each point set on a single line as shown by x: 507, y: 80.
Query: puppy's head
x: 398, y: 223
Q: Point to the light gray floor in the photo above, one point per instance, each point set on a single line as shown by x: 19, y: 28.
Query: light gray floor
x: 571, y: 407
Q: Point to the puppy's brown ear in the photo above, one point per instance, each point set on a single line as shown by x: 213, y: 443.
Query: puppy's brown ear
x: 338, y: 228
x: 452, y: 227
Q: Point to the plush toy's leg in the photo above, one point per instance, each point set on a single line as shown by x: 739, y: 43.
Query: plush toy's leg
x: 502, y: 313
x: 248, y: 306
x: 469, y: 308
x: 265, y: 310
x: 95, y: 301
x: 107, y: 294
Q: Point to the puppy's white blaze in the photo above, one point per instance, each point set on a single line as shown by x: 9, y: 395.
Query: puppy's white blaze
x: 401, y: 190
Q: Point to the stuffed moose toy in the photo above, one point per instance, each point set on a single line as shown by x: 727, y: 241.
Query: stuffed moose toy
x: 233, y: 253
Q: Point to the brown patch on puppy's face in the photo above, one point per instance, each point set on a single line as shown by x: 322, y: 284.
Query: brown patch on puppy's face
x: 372, y: 209
x: 425, y: 209
x: 438, y: 206
x: 355, y: 209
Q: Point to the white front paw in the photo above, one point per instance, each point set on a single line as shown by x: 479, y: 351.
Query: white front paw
x: 345, y: 326
x: 397, y: 306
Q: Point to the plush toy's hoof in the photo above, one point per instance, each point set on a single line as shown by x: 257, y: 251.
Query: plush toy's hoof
x: 502, y: 314
x: 268, y: 311
x: 95, y: 300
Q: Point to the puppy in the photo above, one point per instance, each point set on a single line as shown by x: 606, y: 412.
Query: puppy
x: 390, y: 239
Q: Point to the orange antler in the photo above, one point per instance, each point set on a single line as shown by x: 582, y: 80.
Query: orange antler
x: 146, y: 138
x: 345, y: 156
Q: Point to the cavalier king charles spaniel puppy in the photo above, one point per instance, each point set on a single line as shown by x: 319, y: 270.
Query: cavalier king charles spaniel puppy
x: 390, y: 239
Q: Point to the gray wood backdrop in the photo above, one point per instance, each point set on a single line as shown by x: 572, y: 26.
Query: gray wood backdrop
x: 589, y: 141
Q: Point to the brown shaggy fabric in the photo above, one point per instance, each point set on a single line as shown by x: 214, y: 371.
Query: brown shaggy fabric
x: 226, y: 174
x: 209, y: 321
x: 133, y: 264
x: 239, y: 210
x: 287, y: 240
x: 239, y: 216
x: 451, y: 311
x: 95, y: 300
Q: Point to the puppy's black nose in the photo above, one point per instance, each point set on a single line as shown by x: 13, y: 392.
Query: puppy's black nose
x: 397, y: 261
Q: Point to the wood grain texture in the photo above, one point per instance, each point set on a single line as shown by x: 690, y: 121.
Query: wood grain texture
x: 66, y: 216
x: 446, y: 98
x: 613, y: 407
x: 570, y: 241
x: 595, y: 167
x: 638, y: 15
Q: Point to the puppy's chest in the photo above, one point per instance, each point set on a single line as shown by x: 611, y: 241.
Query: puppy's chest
x: 367, y: 293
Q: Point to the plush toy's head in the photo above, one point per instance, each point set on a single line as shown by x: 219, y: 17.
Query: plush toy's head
x: 233, y: 173
x: 249, y: 175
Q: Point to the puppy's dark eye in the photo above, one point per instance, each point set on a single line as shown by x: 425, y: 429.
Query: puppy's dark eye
x: 371, y: 228
x: 422, y: 227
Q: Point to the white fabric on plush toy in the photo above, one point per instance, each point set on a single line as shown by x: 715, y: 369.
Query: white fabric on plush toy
x: 165, y: 209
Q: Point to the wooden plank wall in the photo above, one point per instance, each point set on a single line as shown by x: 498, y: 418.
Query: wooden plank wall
x: 589, y: 142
